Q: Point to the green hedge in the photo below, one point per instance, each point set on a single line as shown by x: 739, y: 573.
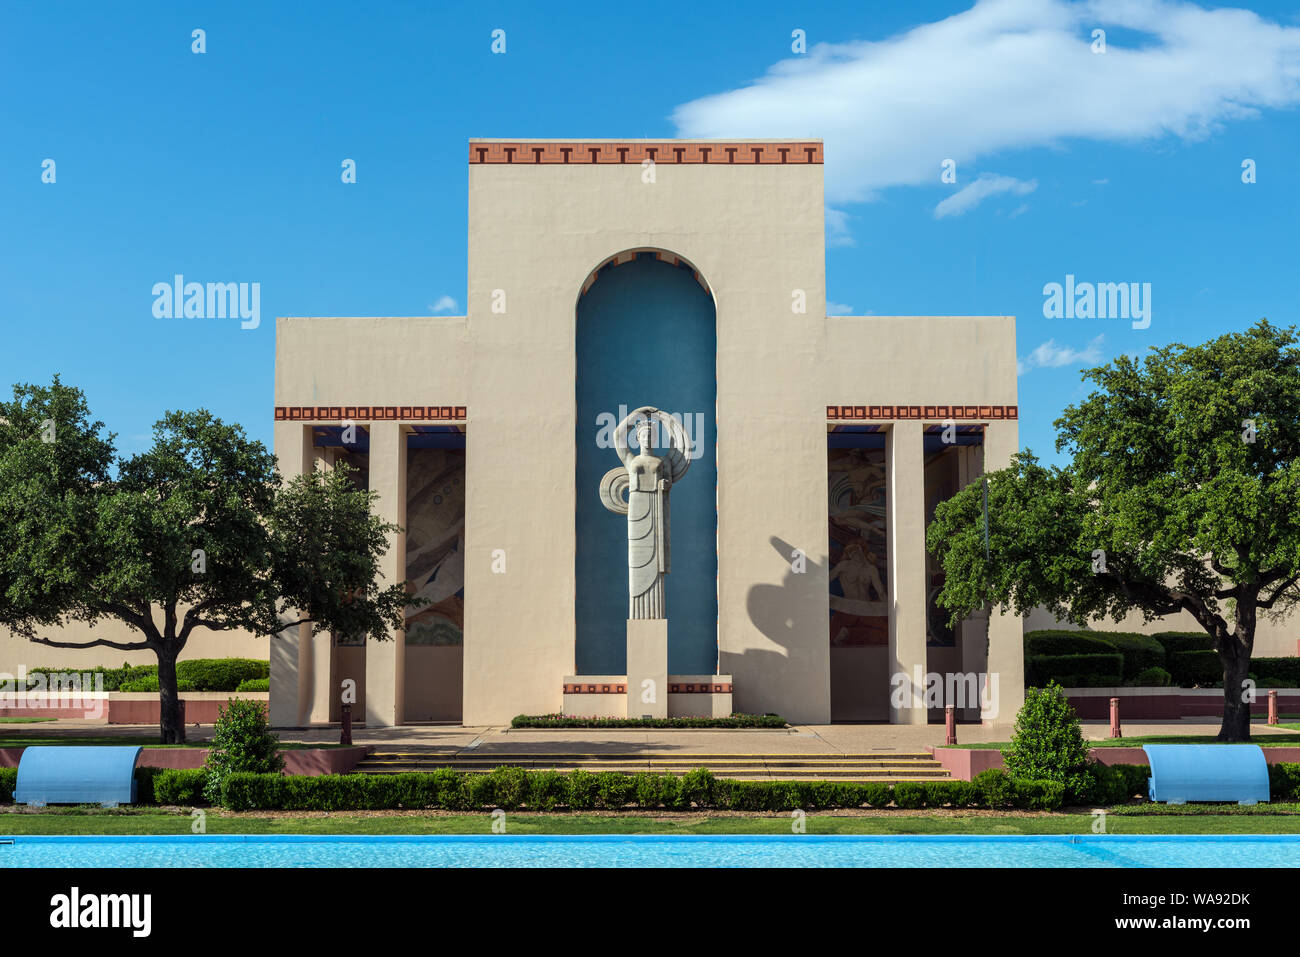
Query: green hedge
x: 194, y: 674
x: 113, y: 678
x: 182, y: 786
x: 255, y: 684
x: 1284, y: 782
x: 1061, y: 642
x: 1139, y: 653
x: 574, y: 721
x: 150, y: 683
x: 220, y: 674
x: 1276, y: 672
x: 8, y: 780
x: 1193, y: 668
x: 1173, y: 641
x: 1075, y: 671
x: 512, y: 788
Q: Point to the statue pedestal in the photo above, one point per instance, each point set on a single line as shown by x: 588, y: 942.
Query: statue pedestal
x: 647, y: 667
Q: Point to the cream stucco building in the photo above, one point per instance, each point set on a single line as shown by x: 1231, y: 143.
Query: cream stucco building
x: 689, y: 275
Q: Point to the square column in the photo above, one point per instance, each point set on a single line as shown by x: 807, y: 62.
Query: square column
x: 291, y: 648
x: 386, y: 660
x: 905, y: 491
x: 1006, y: 662
x: 647, y: 667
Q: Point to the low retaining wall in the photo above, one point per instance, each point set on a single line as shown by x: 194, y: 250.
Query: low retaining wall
x: 965, y: 763
x: 1169, y: 704
x: 127, y: 707
x: 311, y: 761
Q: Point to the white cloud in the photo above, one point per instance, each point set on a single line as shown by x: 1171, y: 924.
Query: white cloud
x: 837, y: 228
x: 1051, y: 356
x: 988, y: 184
x: 838, y: 309
x: 1007, y: 75
x: 444, y: 304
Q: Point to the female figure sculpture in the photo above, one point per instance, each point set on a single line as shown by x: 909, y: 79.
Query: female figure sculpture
x: 647, y: 479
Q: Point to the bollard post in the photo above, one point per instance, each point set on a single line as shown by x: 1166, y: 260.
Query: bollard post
x: 1272, y: 707
x: 950, y: 724
x: 345, y: 733
x: 1115, y: 731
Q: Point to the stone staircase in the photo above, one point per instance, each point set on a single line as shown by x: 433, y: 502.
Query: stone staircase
x: 875, y: 766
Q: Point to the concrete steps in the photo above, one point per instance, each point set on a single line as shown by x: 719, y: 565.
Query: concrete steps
x: 878, y: 766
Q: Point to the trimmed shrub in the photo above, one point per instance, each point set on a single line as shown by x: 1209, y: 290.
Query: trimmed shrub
x: 1196, y: 669
x: 1151, y: 678
x: 1078, y: 671
x: 546, y: 789
x: 696, y: 788
x: 1277, y: 672
x: 509, y: 788
x: 993, y: 788
x: 1173, y: 641
x: 181, y: 786
x: 255, y: 684
x: 1060, y: 642
x: 876, y: 794
x: 1140, y: 651
x: 1048, y: 745
x: 1037, y: 795
x: 144, y: 779
x: 150, y: 683
x: 241, y: 741
x: 1118, y: 783
x: 1284, y: 782
x: 910, y: 794
x: 220, y: 674
x: 582, y: 790
x: 8, y: 781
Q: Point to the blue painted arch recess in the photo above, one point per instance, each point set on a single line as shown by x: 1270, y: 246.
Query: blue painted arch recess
x: 646, y: 335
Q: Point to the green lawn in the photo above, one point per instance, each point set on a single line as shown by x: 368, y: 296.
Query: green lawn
x: 25, y: 720
x: 1120, y: 821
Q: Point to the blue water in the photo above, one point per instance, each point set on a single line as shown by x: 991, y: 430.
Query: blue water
x: 653, y: 851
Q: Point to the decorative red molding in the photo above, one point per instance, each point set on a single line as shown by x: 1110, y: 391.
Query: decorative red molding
x: 675, y: 688
x: 720, y: 688
x: 869, y: 413
x: 603, y: 152
x: 595, y: 689
x: 369, y: 413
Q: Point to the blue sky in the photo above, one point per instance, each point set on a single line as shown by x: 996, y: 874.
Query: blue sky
x: 1123, y: 166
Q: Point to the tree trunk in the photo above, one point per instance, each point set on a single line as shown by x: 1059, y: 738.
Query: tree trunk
x: 172, y: 726
x: 1236, y: 710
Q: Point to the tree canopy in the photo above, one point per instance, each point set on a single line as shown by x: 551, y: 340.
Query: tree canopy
x: 1181, y: 493
x: 199, y: 531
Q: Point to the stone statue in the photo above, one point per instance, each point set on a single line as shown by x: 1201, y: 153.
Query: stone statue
x: 647, y: 479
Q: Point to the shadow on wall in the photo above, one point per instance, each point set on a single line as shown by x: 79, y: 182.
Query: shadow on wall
x: 786, y: 614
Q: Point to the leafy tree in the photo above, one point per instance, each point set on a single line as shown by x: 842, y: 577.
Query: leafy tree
x: 199, y: 531
x: 1182, y: 494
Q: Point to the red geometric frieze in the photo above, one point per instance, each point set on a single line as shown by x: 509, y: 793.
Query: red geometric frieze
x: 369, y: 413
x: 723, y: 687
x: 877, y: 413
x: 602, y: 688
x: 604, y: 152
